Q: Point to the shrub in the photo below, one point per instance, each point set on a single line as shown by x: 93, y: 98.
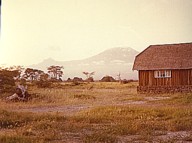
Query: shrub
x: 108, y: 79
x: 7, y: 83
x: 43, y: 84
x: 84, y: 96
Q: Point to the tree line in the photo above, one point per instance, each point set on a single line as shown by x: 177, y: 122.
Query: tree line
x: 30, y: 74
x: 9, y: 75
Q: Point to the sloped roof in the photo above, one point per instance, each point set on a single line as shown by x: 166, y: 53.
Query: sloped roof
x: 169, y: 56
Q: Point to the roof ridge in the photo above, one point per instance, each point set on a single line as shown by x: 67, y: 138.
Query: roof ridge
x: 170, y: 44
x: 182, y: 51
x: 161, y: 45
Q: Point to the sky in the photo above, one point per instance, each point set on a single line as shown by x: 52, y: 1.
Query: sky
x: 34, y: 30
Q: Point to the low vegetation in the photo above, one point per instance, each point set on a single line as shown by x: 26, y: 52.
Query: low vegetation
x: 184, y: 99
x: 96, y: 112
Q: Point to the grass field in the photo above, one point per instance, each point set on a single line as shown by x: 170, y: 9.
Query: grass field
x: 96, y: 113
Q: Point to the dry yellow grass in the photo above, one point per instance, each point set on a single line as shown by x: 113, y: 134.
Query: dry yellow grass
x: 96, y: 112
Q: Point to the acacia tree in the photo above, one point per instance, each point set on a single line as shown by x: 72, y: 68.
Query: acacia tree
x: 55, y: 72
x: 17, y: 70
x: 44, y: 77
x: 89, y: 75
x: 7, y: 78
x: 86, y: 74
x: 13, y: 71
x: 33, y: 74
x: 29, y: 74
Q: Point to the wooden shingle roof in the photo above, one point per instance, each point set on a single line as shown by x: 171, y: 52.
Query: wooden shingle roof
x: 169, y: 56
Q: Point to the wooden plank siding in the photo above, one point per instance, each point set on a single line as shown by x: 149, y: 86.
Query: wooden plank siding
x: 178, y: 77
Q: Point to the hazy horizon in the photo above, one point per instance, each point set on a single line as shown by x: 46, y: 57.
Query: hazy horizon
x: 65, y: 30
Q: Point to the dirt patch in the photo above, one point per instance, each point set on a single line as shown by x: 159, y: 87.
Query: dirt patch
x: 72, y: 109
x: 179, y: 136
x: 68, y: 109
x: 176, y: 137
x: 156, y: 98
x: 131, y: 102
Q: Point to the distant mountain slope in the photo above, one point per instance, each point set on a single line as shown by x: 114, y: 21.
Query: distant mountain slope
x: 110, y: 62
x: 118, y: 54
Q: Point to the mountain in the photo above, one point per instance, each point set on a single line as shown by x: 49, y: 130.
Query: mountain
x: 110, y: 62
x: 115, y: 54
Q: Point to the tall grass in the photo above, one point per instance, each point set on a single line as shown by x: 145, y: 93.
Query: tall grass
x: 101, y: 124
x: 105, y: 121
x: 184, y: 99
x: 17, y: 139
x: 123, y: 121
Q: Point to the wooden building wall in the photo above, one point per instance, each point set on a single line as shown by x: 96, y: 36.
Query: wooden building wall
x: 178, y: 77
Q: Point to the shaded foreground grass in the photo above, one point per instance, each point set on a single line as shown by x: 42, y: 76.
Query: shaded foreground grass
x: 101, y: 124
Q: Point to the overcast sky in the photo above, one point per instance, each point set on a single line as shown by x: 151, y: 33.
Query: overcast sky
x: 33, y: 30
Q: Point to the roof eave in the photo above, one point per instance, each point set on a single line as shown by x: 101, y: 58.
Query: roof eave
x: 162, y: 68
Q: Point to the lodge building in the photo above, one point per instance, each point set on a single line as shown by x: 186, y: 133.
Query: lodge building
x: 165, y: 68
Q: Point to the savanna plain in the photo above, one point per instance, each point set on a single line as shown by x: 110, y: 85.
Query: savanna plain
x: 96, y: 112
